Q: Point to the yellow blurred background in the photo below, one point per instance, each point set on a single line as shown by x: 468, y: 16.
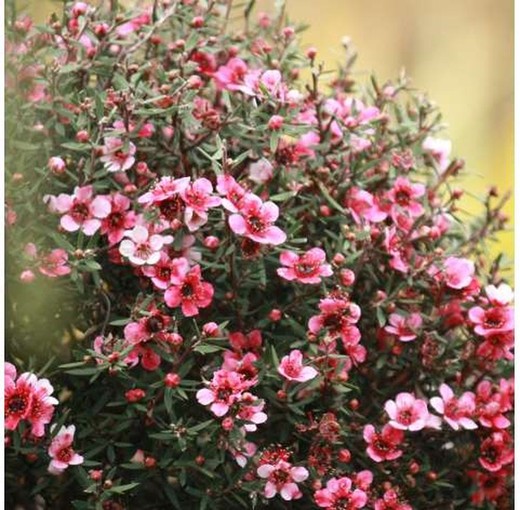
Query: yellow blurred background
x: 460, y: 52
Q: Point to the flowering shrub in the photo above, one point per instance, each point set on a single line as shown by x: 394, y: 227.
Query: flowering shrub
x: 258, y: 290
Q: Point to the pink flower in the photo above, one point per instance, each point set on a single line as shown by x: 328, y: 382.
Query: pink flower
x: 497, y: 346
x: 80, y: 210
x: 439, y: 151
x: 391, y: 501
x: 458, y: 273
x: 232, y: 191
x: 224, y: 391
x: 42, y: 407
x: 457, y: 411
x: 56, y: 165
x: 383, y: 445
x: 190, y: 293
x: 405, y: 328
x: 363, y: 205
x: 409, y: 413
x: 252, y: 341
x: 404, y: 195
x: 282, y: 478
x: 251, y: 410
x: 338, y: 493
x: 119, y: 219
x: 198, y: 199
x: 166, y: 271
x: 231, y: 76
x: 307, y: 268
x: 255, y: 221
x: 118, y: 156
x: 143, y: 248
x: 61, y: 452
x: 292, y: 369
x: 55, y: 263
x: 498, y: 319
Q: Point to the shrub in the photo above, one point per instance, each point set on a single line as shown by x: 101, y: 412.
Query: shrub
x: 230, y: 286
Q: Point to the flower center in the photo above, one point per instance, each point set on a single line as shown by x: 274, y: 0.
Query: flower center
x: 80, y: 211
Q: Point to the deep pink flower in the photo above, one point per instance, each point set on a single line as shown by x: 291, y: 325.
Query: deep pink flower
x: 405, y: 328
x: 198, y: 199
x: 166, y: 271
x: 404, y: 197
x: 231, y: 75
x: 118, y: 156
x: 457, y: 411
x: 224, y: 391
x: 61, y: 452
x: 243, y: 364
x: 391, y: 501
x: 251, y: 341
x: 282, y: 478
x: 18, y: 397
x: 383, y: 445
x: 255, y: 221
x: 338, y: 494
x: 410, y: 413
x: 338, y: 315
x: 292, y: 369
x: 491, y: 406
x: 119, y: 219
x: 141, y: 247
x: 490, y: 321
x: 458, y: 273
x: 496, y: 451
x: 190, y: 293
x: 307, y: 268
x: 497, y: 346
x: 55, y: 263
x: 80, y: 210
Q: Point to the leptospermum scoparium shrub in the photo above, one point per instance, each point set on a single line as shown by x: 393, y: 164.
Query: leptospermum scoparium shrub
x: 271, y: 299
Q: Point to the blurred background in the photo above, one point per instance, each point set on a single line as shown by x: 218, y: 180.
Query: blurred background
x: 459, y: 52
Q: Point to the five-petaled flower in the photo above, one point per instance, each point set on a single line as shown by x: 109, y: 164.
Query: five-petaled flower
x: 61, y: 452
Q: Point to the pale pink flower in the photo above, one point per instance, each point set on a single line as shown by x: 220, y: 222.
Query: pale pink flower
x: 118, y: 156
x: 306, y: 268
x: 458, y: 273
x: 231, y: 75
x: 391, y: 501
x: 292, y: 369
x: 141, y: 247
x: 42, y: 407
x: 338, y: 493
x: 439, y: 150
x: 61, y: 452
x: 282, y: 478
x: 248, y: 449
x: 252, y: 411
x: 405, y: 328
x: 409, y: 413
x: 457, y: 412
x: 501, y: 295
x: 80, y: 210
x: 255, y: 221
x: 260, y: 171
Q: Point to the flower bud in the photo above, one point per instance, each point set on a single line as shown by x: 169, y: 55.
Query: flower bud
x: 228, y: 424
x: 95, y: 474
x: 56, y: 165
x: 27, y: 276
x: 347, y: 277
x: 172, y: 380
x: 344, y: 455
x: 134, y: 395
x: 211, y: 242
x: 210, y: 329
x: 275, y: 315
x: 275, y: 122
